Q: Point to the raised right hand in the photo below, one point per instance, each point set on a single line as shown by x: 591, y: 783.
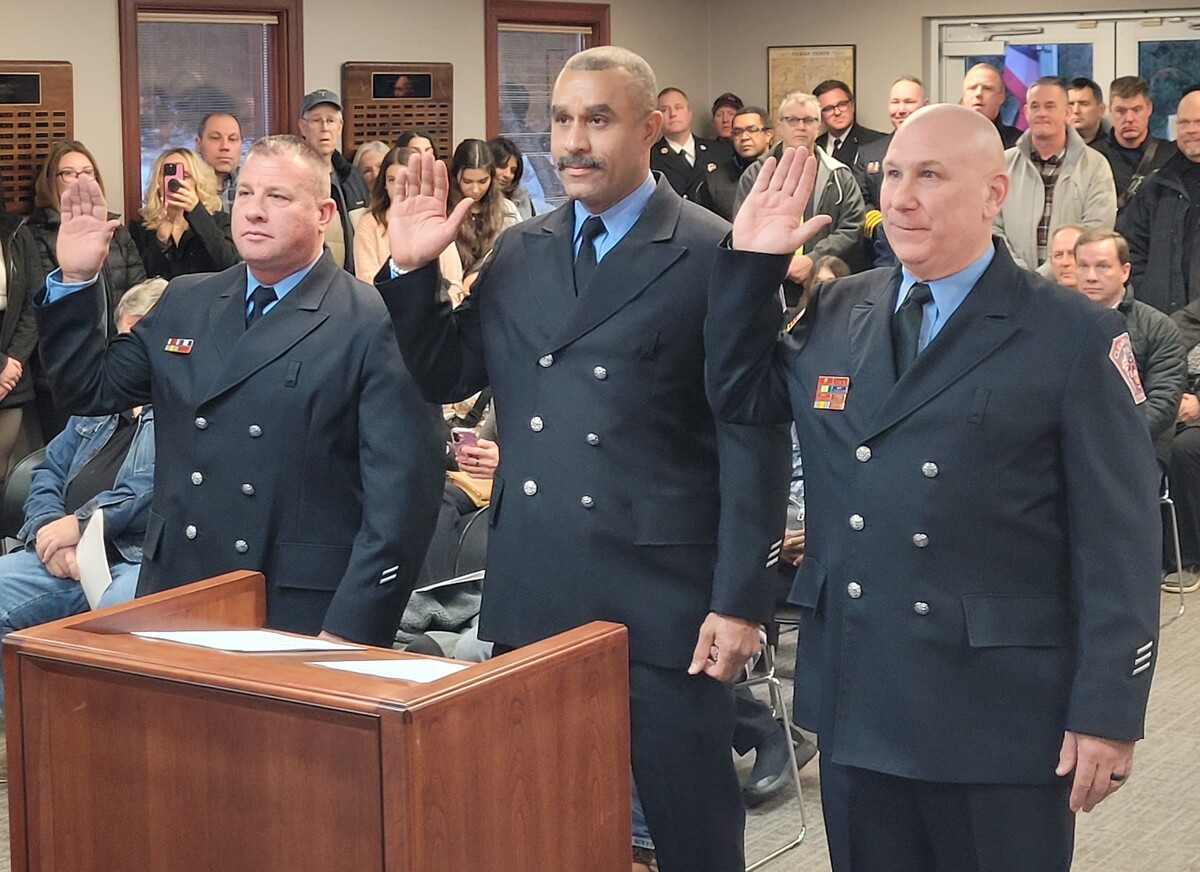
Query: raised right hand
x: 85, y: 233
x: 418, y: 227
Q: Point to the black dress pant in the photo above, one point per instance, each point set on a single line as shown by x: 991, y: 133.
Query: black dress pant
x: 881, y: 823
x: 1185, y: 491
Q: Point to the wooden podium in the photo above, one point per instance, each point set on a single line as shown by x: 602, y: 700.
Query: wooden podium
x: 136, y: 755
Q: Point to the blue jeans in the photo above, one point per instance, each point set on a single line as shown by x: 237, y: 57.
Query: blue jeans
x: 30, y: 595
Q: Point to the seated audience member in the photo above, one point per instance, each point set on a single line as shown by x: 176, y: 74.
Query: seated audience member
x: 1054, y: 179
x: 1085, y: 102
x: 122, y: 268
x: 1131, y: 151
x: 835, y: 194
x: 830, y: 267
x: 102, y: 462
x: 182, y: 229
x: 751, y: 138
x: 418, y: 140
x: 724, y: 109
x: 983, y: 91
x: 509, y: 170
x: 370, y: 236
x: 1185, y: 486
x: 684, y: 159
x: 1061, y: 264
x: 219, y: 144
x: 1154, y: 344
x: 472, y: 176
x: 843, y: 135
x: 321, y: 126
x: 20, y: 278
x: 367, y: 158
x: 1162, y: 224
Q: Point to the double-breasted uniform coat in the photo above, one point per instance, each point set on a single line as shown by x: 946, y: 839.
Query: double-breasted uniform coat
x: 299, y: 447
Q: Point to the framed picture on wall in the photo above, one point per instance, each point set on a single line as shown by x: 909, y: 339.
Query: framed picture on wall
x: 803, y: 67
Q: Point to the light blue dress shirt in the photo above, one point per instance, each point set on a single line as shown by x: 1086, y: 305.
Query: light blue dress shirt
x: 618, y: 219
x: 56, y: 288
x: 948, y: 295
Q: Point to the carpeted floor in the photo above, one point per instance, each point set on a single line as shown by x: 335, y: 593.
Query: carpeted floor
x: 1149, y: 826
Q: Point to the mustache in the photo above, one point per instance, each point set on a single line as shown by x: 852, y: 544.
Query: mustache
x: 579, y: 161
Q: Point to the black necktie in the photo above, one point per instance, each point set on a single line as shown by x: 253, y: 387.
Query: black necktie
x: 906, y: 326
x: 262, y: 297
x: 585, y: 263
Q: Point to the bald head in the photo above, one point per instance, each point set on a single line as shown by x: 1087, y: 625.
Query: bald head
x: 1187, y: 126
x: 943, y: 183
x: 983, y: 91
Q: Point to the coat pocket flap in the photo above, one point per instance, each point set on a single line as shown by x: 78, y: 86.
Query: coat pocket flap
x: 995, y: 621
x: 310, y: 567
x: 677, y: 519
x: 810, y: 582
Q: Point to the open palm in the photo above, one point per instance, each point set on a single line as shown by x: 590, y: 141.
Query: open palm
x: 418, y: 228
x: 86, y: 231
x: 771, y: 220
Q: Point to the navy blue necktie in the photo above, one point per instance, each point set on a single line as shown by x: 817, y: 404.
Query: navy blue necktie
x: 906, y: 326
x: 585, y: 262
x: 262, y: 297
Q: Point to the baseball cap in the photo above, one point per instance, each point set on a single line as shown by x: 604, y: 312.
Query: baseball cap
x: 316, y: 98
x: 727, y: 99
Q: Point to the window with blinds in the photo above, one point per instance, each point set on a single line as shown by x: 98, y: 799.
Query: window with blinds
x: 191, y: 64
x: 529, y: 59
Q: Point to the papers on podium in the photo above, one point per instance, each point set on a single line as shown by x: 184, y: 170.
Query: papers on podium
x: 421, y: 671
x: 247, y: 641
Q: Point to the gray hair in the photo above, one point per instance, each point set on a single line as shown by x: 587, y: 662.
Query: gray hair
x: 613, y: 57
x: 287, y: 145
x: 368, y: 147
x: 801, y: 97
x: 140, y: 298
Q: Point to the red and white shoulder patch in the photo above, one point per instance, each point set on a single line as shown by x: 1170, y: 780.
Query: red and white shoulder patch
x: 1121, y: 355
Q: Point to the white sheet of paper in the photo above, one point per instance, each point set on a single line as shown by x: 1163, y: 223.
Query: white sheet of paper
x: 246, y: 641
x: 93, y: 560
x: 477, y: 575
x: 421, y: 671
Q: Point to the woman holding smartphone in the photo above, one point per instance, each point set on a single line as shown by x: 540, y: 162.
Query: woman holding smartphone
x: 182, y: 228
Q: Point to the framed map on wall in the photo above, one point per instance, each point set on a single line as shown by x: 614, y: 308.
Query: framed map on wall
x: 803, y: 67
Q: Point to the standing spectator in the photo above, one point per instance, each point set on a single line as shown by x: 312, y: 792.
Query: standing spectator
x: 1162, y: 224
x: 1131, y: 151
x: 906, y: 96
x: 843, y: 136
x: 370, y: 237
x: 835, y: 193
x: 509, y: 170
x: 122, y: 269
x: 1086, y: 103
x: 684, y: 159
x: 321, y: 127
x: 182, y: 228
x: 1102, y: 275
x: 724, y: 109
x: 983, y: 91
x: 367, y: 158
x: 1061, y: 263
x: 472, y: 177
x: 1054, y: 178
x: 219, y: 144
x: 751, y: 139
x: 418, y: 140
x: 20, y: 278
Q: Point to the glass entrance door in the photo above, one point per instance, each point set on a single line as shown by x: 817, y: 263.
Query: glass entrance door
x: 1165, y: 51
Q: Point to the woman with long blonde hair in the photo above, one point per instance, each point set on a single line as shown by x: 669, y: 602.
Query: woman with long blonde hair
x: 182, y: 228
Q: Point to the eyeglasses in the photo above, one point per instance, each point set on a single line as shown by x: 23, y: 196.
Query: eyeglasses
x: 793, y: 120
x: 747, y: 131
x: 327, y: 121
x: 72, y: 175
x: 835, y: 108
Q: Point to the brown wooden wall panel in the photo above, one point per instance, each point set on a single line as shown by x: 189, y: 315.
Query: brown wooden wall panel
x: 28, y: 130
x: 370, y: 117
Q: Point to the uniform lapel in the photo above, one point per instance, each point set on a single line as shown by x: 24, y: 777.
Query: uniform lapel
x: 638, y: 259
x: 974, y: 332
x: 872, y: 372
x: 289, y: 321
x: 551, y: 265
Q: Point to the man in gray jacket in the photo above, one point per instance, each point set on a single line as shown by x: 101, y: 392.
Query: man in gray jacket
x: 1055, y: 178
x: 835, y: 193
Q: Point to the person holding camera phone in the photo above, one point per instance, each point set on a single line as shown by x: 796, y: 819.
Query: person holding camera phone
x: 182, y: 228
